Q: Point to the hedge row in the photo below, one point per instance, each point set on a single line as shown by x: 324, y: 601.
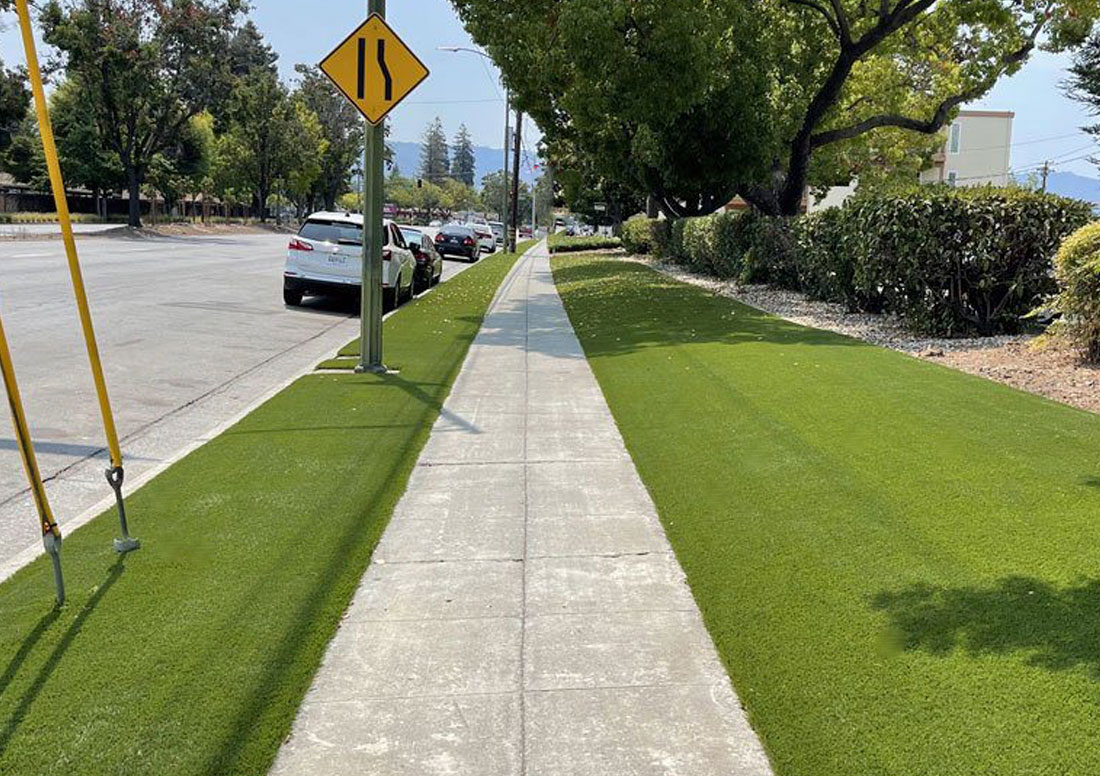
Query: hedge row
x: 952, y: 262
x: 562, y: 243
x: 1078, y: 271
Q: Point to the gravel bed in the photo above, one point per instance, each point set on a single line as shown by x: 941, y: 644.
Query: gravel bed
x: 1050, y: 371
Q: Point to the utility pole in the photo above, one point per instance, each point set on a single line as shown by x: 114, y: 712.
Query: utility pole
x: 507, y: 140
x: 370, y: 293
x: 1046, y: 172
x: 515, y: 183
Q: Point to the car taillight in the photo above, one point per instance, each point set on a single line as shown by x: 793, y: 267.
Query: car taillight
x: 298, y: 245
x: 439, y: 238
x: 386, y: 254
x: 468, y: 241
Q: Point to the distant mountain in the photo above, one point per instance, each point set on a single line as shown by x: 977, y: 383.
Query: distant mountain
x: 487, y: 160
x: 1070, y: 184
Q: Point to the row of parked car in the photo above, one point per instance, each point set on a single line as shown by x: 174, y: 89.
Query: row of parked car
x: 325, y: 257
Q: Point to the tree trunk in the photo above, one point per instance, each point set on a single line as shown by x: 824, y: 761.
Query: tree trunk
x: 134, y: 188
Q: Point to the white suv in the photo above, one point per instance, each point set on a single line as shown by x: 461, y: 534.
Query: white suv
x: 326, y: 257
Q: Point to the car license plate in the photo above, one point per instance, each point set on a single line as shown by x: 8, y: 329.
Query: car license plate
x: 338, y: 259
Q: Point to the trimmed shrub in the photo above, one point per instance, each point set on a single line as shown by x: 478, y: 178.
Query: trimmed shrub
x: 952, y: 262
x: 956, y: 262
x: 698, y: 244
x: 562, y: 243
x: 773, y: 250
x: 1078, y: 271
x: 639, y: 235
x: 732, y: 240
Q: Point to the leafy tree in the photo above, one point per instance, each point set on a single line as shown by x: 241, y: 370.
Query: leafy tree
x: 434, y: 154
x: 693, y: 102
x: 87, y: 161
x: 341, y: 127
x: 463, y: 163
x: 15, y: 100
x: 248, y: 52
x: 146, y: 67
x: 494, y: 189
x: 310, y: 149
x: 270, y: 138
x: 23, y: 159
x: 1083, y: 83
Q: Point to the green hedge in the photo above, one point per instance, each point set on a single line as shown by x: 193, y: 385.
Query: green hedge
x: 1078, y: 271
x: 646, y: 235
x: 562, y: 243
x: 951, y: 262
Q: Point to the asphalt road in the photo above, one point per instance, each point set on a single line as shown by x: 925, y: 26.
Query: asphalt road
x: 192, y: 332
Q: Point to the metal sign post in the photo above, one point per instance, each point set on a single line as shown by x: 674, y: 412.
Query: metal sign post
x: 375, y: 70
x: 370, y: 316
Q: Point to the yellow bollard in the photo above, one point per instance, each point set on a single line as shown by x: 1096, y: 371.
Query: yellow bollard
x: 115, y: 473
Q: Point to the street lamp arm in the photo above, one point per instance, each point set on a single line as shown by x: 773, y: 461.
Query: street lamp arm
x: 456, y: 49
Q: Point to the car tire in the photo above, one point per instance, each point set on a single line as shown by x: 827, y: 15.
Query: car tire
x: 389, y: 298
x: 292, y: 298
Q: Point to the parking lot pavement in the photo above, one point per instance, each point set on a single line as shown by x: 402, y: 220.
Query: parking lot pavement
x: 192, y: 331
x: 523, y: 612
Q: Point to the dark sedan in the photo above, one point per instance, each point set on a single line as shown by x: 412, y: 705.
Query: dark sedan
x: 458, y: 241
x: 429, y: 264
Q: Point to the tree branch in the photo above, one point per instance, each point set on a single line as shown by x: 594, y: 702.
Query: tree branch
x: 943, y: 111
x: 833, y: 24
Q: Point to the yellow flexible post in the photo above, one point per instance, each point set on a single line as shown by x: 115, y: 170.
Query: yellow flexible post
x: 51, y: 534
x: 57, y: 184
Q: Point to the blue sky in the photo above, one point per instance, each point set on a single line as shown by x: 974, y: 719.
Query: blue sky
x: 466, y: 88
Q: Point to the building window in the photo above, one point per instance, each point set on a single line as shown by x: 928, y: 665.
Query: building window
x: 954, y: 140
x: 952, y: 178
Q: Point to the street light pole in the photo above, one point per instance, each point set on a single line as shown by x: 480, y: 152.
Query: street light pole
x: 374, y: 151
x: 507, y: 140
x: 507, y: 126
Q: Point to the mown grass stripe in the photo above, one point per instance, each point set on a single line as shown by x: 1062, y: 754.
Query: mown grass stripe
x: 192, y: 655
x: 898, y: 562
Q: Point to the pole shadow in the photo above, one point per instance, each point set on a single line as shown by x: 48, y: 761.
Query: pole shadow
x: 11, y: 727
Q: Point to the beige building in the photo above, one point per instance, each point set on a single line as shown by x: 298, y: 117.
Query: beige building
x: 977, y: 150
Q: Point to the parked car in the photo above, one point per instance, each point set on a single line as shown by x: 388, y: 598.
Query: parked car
x: 525, y: 231
x: 498, y: 231
x: 485, y: 237
x: 429, y: 264
x: 458, y: 240
x: 326, y: 257
x: 435, y: 224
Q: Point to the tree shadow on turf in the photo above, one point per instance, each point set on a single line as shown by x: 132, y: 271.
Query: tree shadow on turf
x: 1091, y: 481
x: 11, y: 726
x: 1055, y: 628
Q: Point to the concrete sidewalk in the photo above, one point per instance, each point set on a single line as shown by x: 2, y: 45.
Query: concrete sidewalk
x: 523, y: 613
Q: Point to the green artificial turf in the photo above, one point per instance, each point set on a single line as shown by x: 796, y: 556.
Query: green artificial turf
x: 192, y: 655
x: 898, y: 563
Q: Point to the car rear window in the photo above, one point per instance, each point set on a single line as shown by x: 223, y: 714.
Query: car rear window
x: 412, y: 236
x: 342, y: 233
x: 458, y: 231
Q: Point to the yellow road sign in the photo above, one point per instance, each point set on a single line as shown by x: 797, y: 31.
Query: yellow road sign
x: 374, y: 69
